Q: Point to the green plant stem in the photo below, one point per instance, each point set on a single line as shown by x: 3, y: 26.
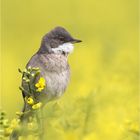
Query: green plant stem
x: 40, y: 121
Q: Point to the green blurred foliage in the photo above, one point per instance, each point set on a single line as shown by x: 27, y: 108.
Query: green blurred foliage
x: 105, y: 64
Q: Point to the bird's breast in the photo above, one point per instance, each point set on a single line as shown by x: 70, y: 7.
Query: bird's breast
x: 57, y: 82
x: 57, y: 74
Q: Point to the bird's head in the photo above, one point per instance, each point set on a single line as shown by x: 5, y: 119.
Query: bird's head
x: 58, y: 41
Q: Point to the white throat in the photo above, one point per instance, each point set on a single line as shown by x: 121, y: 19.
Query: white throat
x: 66, y: 47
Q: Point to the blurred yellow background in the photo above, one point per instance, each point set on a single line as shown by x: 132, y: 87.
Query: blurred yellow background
x: 101, y: 101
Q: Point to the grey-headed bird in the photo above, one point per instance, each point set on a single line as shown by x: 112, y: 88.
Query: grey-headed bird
x: 52, y: 61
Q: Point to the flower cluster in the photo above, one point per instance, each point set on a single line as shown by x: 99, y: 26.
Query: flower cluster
x: 32, y: 103
x: 40, y: 84
x: 33, y: 86
x: 7, y: 127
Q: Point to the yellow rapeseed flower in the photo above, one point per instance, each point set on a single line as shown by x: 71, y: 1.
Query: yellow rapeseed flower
x: 8, y: 131
x: 37, y: 106
x: 15, y: 123
x: 40, y: 84
x: 30, y: 101
x: 19, y: 113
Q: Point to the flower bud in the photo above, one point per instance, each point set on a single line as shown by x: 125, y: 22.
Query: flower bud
x: 37, y: 106
x: 19, y: 113
x: 27, y: 80
x: 32, y: 74
x: 29, y: 68
x: 30, y: 101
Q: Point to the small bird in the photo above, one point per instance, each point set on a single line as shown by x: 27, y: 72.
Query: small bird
x: 52, y: 60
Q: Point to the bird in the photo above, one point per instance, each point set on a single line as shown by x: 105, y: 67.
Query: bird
x: 52, y: 60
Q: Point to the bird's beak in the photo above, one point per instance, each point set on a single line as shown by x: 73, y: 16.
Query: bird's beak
x: 76, y: 41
